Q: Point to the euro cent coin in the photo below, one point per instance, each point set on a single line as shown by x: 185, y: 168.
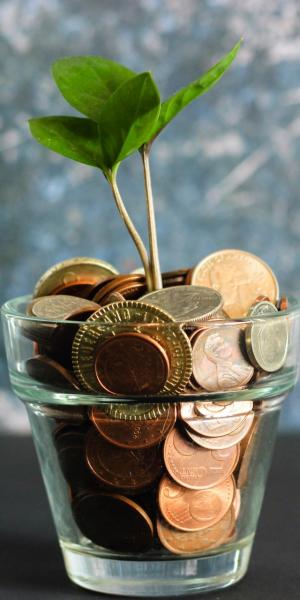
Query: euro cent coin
x: 239, y: 276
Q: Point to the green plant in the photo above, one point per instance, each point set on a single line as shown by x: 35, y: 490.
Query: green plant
x: 123, y: 114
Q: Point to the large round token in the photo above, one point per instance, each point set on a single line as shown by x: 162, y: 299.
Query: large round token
x: 192, y: 542
x: 137, y: 411
x: 130, y: 469
x: 113, y: 522
x: 215, y: 426
x: 267, y: 339
x: 132, y: 317
x: 194, y: 467
x: 131, y: 363
x: 218, y: 360
x: 78, y: 271
x: 134, y: 434
x: 194, y: 510
x: 239, y: 276
x: 225, y: 441
x: 186, y: 303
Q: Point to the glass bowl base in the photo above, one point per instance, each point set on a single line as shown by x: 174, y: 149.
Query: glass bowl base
x: 157, y: 578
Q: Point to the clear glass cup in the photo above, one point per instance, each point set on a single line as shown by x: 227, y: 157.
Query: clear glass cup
x: 158, y: 495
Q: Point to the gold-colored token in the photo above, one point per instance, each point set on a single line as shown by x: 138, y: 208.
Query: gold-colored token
x: 132, y: 316
x: 239, y: 276
x: 137, y: 412
x: 267, y: 339
x: 186, y: 303
x: 74, y: 271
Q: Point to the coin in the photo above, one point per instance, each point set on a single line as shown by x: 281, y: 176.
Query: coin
x: 237, y: 504
x: 248, y: 447
x: 126, y: 285
x: 145, y: 319
x: 194, y: 467
x: 50, y: 372
x: 283, y: 303
x: 62, y: 308
x: 129, y: 469
x: 267, y: 339
x: 226, y: 440
x: 134, y: 434
x: 194, y: 510
x: 239, y: 276
x: 79, y: 271
x: 131, y: 363
x: 218, y: 361
x: 113, y: 522
x: 209, y: 426
x: 114, y: 297
x: 186, y: 303
x: 137, y: 411
x: 191, y: 542
x: 224, y: 408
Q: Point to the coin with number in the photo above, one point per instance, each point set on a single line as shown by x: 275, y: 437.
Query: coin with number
x: 239, y: 276
x: 113, y: 522
x: 131, y: 363
x: 218, y: 360
x: 267, y: 338
x: 194, y: 467
x: 186, y: 303
x: 193, y: 510
x: 78, y: 271
x: 131, y: 469
x: 129, y: 317
x: 190, y: 542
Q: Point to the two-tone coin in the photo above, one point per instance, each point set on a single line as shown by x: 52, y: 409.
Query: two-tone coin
x: 267, y: 338
x: 186, y: 303
x: 239, y: 276
x: 194, y: 467
x: 194, y: 510
x: 218, y: 360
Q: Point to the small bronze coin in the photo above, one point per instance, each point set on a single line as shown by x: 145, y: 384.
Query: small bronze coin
x: 131, y: 363
x: 123, y: 284
x: 218, y: 360
x: 194, y: 467
x: 267, y: 338
x: 192, y: 542
x: 225, y: 441
x: 193, y: 510
x: 127, y: 469
x: 186, y: 303
x: 51, y: 373
x: 113, y: 522
x: 134, y: 434
x: 114, y: 297
x: 223, y: 409
x: 218, y: 425
x: 74, y: 271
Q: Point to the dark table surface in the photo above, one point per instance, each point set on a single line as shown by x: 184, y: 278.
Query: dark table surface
x: 31, y: 567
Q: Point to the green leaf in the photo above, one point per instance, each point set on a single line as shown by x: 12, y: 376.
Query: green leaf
x: 171, y: 107
x: 86, y: 82
x: 128, y: 117
x: 73, y: 137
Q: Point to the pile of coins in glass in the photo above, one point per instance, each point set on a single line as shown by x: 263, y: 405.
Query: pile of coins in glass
x: 163, y: 467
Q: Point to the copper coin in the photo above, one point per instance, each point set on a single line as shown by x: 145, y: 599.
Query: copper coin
x: 218, y: 360
x: 134, y: 434
x: 99, y: 285
x: 74, y: 271
x: 131, y: 363
x: 118, y: 283
x: 239, y: 276
x: 113, y: 522
x: 194, y: 467
x: 51, y: 373
x: 248, y: 446
x: 283, y: 303
x: 191, y: 542
x: 209, y: 426
x: 193, y: 510
x: 114, y: 297
x: 129, y: 469
x: 224, y: 408
x: 226, y: 441
x: 237, y: 504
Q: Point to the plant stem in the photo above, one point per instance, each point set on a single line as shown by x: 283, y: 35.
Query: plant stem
x: 131, y: 228
x: 153, y: 247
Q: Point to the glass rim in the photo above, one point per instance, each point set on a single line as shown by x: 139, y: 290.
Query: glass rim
x: 11, y: 309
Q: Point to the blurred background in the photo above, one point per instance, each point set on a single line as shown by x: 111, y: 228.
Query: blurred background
x: 225, y: 172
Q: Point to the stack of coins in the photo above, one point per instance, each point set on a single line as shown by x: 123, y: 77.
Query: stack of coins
x: 138, y: 343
